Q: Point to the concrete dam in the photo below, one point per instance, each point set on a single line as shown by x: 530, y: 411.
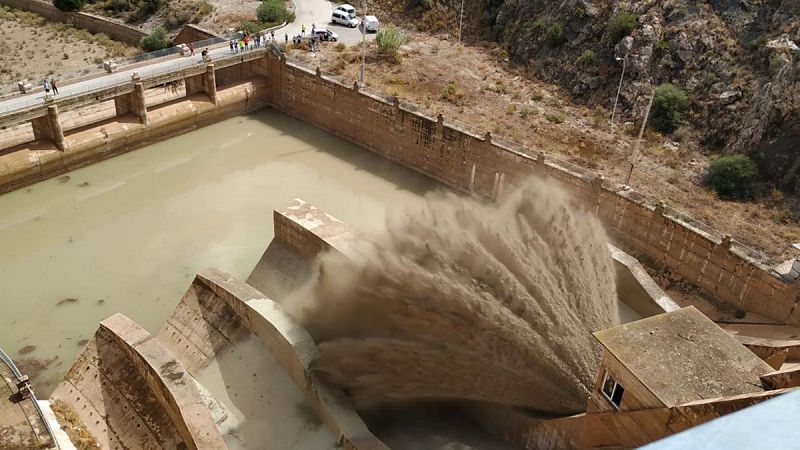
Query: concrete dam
x: 116, y: 242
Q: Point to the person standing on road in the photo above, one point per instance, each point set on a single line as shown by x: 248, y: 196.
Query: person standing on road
x: 246, y: 41
x: 272, y: 34
x: 313, y: 28
x: 191, y: 49
x: 286, y: 38
x: 46, y: 88
x: 231, y: 46
x: 303, y: 29
x: 53, y: 85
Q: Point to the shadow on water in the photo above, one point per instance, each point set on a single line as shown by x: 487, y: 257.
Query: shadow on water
x: 360, y: 157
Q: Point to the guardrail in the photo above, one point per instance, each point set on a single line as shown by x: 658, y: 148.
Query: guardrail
x: 14, y: 370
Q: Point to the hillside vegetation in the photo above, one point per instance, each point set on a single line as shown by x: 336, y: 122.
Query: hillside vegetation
x: 736, y: 61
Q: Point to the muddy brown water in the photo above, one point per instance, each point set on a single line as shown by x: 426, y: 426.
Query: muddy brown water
x: 128, y: 234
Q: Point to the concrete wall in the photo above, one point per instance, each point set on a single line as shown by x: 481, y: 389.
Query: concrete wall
x: 90, y: 22
x: 294, y: 349
x: 636, y: 288
x: 126, y: 389
x: 29, y: 163
x: 475, y: 162
x: 192, y: 33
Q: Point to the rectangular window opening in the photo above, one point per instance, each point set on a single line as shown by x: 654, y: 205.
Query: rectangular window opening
x: 612, y: 390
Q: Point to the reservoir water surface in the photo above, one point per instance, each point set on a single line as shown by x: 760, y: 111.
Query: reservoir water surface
x: 128, y: 234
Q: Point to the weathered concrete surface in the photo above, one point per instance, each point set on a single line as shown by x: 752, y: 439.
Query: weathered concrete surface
x: 127, y: 390
x: 20, y: 424
x: 294, y: 349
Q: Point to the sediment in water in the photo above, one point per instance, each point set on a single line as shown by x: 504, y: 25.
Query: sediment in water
x: 462, y: 300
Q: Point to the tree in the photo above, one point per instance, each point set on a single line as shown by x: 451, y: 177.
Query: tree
x: 622, y: 25
x: 69, y: 5
x: 156, y: 40
x: 669, y: 105
x: 272, y: 11
x: 732, y: 176
x: 555, y: 35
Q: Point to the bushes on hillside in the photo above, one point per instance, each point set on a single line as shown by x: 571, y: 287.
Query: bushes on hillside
x: 732, y: 176
x: 273, y: 12
x: 156, y: 40
x: 555, y: 35
x: 69, y: 5
x: 622, y: 25
x: 389, y: 39
x: 669, y: 105
x: 587, y: 58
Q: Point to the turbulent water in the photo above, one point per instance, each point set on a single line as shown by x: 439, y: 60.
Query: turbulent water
x: 461, y: 300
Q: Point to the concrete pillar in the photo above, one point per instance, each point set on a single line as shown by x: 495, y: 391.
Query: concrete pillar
x: 211, y: 83
x: 49, y: 127
x: 139, y: 107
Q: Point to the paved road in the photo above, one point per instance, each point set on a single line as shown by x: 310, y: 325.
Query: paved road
x: 308, y: 13
x: 318, y: 12
x: 157, y: 67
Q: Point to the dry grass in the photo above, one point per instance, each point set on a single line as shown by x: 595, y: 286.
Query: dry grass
x: 33, y: 48
x: 497, y: 98
x: 74, y: 427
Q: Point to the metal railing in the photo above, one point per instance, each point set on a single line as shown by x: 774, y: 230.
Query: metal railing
x: 15, y: 371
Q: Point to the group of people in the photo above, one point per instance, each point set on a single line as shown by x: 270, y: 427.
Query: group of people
x: 249, y: 42
x: 51, y: 85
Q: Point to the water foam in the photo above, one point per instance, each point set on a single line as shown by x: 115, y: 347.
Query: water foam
x: 462, y: 300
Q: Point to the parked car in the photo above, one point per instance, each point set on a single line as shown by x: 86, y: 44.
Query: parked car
x: 341, y: 18
x: 347, y: 9
x: 371, y: 23
x: 325, y: 35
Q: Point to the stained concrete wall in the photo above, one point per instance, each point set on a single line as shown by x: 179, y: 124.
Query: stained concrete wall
x: 125, y: 389
x: 294, y: 349
x: 192, y: 33
x: 89, y: 22
x: 476, y: 162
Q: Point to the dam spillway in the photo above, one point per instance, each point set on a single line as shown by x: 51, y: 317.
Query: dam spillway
x: 128, y: 234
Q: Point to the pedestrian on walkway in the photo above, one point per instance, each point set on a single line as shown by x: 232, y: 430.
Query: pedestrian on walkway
x: 53, y: 85
x: 303, y: 29
x: 204, y: 54
x: 286, y: 38
x: 246, y: 41
x: 241, y: 45
x: 313, y: 28
x: 46, y: 88
x: 231, y: 46
x: 272, y: 34
x: 191, y: 49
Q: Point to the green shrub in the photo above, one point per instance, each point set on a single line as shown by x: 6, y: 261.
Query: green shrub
x: 251, y: 27
x: 587, y: 58
x: 556, y: 118
x: 69, y: 5
x: 273, y: 11
x: 622, y: 25
x: 151, y: 6
x: 732, y: 176
x: 389, y: 39
x: 669, y: 105
x: 776, y: 63
x: 156, y: 40
x: 205, y: 9
x: 450, y: 91
x: 555, y: 35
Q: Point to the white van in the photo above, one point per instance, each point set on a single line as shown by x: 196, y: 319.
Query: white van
x: 371, y: 23
x: 347, y: 9
x: 342, y: 18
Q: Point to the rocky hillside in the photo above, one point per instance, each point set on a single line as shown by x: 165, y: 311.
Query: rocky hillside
x: 737, y: 60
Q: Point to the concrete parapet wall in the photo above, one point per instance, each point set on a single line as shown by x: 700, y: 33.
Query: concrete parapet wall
x: 475, y: 162
x: 636, y: 288
x: 127, y: 391
x: 309, y: 231
x: 169, y: 382
x: 89, y: 22
x: 192, y: 33
x: 294, y: 349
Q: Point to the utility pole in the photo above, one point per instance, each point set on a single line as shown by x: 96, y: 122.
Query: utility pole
x: 639, y: 140
x: 460, y: 21
x: 619, y: 88
x: 363, y: 44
